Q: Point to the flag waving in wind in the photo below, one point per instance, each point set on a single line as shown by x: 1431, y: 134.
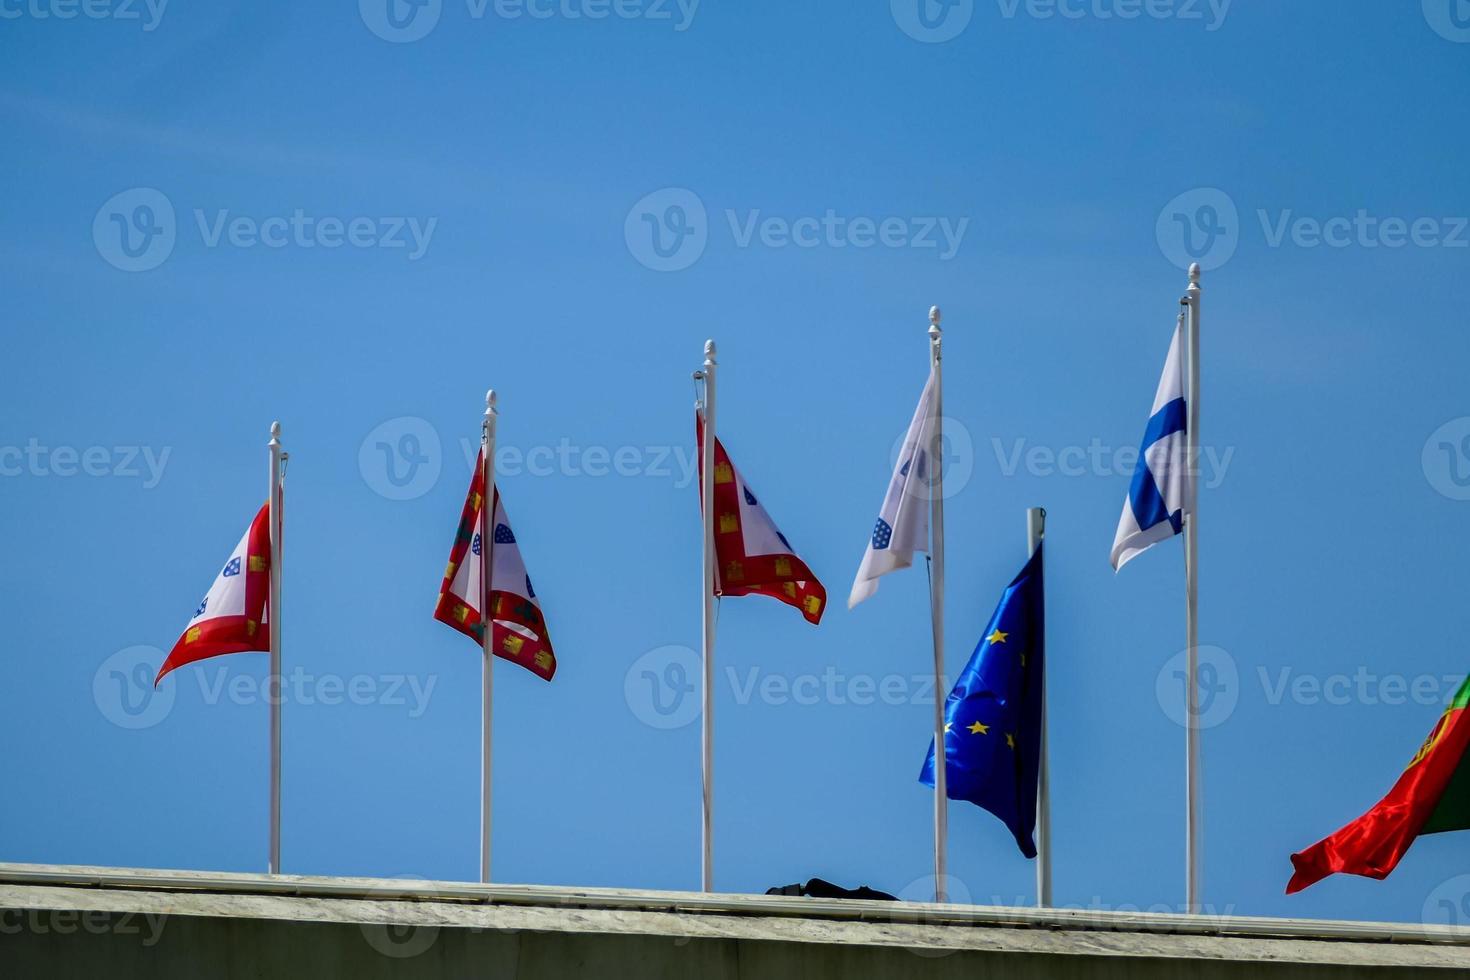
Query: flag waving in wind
x: 992, y: 720
x: 752, y: 556
x: 1431, y: 796
x: 1162, y: 492
x: 231, y: 618
x: 903, y: 523
x: 519, y: 629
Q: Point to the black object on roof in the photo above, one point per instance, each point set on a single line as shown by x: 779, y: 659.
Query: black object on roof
x: 817, y: 888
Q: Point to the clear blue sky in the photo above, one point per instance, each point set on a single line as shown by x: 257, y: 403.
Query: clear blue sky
x: 1053, y: 148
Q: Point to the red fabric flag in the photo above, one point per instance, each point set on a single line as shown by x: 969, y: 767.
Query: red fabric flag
x: 1432, y: 795
x: 752, y: 556
x: 519, y: 629
x: 231, y: 618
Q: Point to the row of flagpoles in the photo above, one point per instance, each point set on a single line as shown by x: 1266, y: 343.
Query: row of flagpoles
x: 487, y: 595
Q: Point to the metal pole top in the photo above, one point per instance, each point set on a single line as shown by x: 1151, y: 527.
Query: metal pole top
x: 275, y: 433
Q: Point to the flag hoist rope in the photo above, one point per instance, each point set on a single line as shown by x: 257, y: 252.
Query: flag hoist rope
x: 487, y: 637
x: 276, y: 521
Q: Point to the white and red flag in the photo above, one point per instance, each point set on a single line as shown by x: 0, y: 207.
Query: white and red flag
x: 519, y: 628
x: 231, y: 618
x: 752, y: 556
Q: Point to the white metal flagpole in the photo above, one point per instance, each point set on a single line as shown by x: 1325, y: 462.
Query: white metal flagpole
x: 936, y: 613
x: 1195, y: 818
x: 707, y: 496
x: 487, y: 639
x: 1035, y: 531
x: 277, y: 523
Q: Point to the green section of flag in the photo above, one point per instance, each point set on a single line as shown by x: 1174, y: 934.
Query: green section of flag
x: 1452, y: 811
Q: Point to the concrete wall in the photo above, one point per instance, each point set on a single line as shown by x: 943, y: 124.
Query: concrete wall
x: 88, y: 924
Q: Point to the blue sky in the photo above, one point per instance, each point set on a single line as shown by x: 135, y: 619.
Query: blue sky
x: 354, y: 229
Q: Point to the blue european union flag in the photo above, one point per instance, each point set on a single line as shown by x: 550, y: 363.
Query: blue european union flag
x: 992, y: 732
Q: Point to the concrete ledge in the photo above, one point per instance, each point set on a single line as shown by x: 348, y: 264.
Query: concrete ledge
x: 56, y: 920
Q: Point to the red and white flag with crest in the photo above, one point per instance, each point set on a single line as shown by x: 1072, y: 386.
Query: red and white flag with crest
x: 752, y: 556
x: 519, y: 630
x: 231, y: 618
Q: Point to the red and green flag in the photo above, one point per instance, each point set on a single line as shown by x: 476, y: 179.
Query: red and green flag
x: 1432, y: 796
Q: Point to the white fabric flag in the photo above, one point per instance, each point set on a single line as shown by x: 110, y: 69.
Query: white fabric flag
x: 1162, y: 492
x: 903, y: 523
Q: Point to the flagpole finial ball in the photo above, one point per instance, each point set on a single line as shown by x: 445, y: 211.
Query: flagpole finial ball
x: 709, y: 348
x: 275, y: 430
x: 490, y: 401
x: 934, y: 315
x: 1194, y: 273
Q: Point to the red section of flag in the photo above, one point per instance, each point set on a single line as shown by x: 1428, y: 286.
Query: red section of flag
x: 233, y: 634
x: 781, y: 575
x: 519, y: 633
x: 1373, y: 844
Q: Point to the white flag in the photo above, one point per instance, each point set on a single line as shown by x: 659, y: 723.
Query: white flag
x: 903, y: 524
x: 1162, y: 492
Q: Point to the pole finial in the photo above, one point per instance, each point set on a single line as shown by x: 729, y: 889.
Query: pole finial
x: 709, y: 350
x: 1194, y: 273
x: 275, y: 432
x: 490, y: 408
x: 934, y: 317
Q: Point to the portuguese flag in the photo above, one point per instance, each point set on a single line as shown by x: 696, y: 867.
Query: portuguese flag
x: 1432, y: 795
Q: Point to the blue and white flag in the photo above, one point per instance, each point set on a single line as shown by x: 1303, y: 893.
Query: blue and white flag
x: 903, y: 524
x: 1162, y: 492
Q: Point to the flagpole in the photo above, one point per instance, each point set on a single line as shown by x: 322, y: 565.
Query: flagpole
x: 487, y: 638
x: 1035, y: 531
x: 936, y: 614
x: 1195, y: 817
x: 277, y: 523
x: 707, y: 496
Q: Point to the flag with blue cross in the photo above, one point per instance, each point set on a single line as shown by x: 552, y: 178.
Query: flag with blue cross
x: 1162, y: 491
